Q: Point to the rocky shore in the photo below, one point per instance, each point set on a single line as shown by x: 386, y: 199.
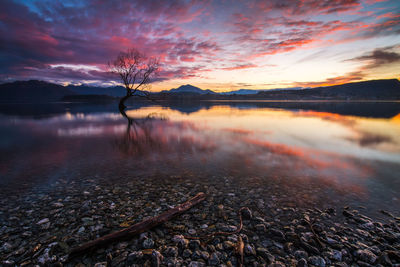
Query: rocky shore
x: 39, y: 226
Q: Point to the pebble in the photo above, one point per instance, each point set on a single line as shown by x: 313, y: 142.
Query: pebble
x: 246, y: 213
x: 366, y: 256
x: 277, y: 264
x: 187, y: 253
x: 148, y: 243
x: 213, y: 260
x: 300, y: 254
x: 249, y: 249
x: 317, y: 261
x: 302, y: 263
x: 263, y: 252
x: 279, y: 237
x: 43, y: 221
x: 196, y: 264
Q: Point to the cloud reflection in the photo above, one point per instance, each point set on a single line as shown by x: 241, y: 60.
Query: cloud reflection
x: 344, y: 153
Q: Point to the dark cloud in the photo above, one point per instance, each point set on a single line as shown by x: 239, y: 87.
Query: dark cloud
x: 94, y: 32
x: 379, y: 57
x: 296, y: 7
x: 367, y: 139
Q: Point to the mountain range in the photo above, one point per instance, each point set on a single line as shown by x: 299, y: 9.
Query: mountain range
x: 40, y: 91
x: 188, y: 89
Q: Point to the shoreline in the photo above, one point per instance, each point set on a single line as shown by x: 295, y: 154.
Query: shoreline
x: 41, y: 226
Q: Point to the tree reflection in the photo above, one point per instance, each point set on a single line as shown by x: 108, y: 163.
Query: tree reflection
x: 138, y: 138
x: 157, y: 136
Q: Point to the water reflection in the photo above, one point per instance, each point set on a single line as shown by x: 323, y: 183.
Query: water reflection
x: 153, y: 135
x: 291, y: 148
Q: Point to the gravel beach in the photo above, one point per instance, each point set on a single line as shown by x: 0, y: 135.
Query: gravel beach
x: 39, y: 226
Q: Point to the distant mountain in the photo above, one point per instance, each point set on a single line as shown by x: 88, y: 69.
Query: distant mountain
x: 256, y: 91
x: 367, y: 90
x: 32, y: 91
x: 38, y: 91
x: 242, y: 92
x: 117, y: 91
x: 188, y: 89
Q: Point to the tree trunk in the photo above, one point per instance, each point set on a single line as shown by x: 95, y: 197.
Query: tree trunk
x: 121, y: 105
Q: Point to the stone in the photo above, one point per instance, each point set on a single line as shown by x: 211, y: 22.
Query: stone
x: 260, y: 228
x: 228, y: 244
x: 171, y: 251
x: 213, y: 260
x: 58, y: 205
x: 205, y: 255
x: 148, y: 243
x: 135, y: 257
x: 196, y: 255
x: 156, y: 258
x: 6, y: 247
x: 249, y: 250
x: 277, y: 233
x: 300, y: 254
x: 181, y: 241
x: 187, y: 253
x: 302, y: 263
x: 43, y: 221
x: 277, y: 264
x: 246, y: 213
x: 336, y: 255
x: 204, y: 226
x: 317, y: 261
x: 194, y: 244
x: 366, y: 256
x: 268, y: 257
x: 192, y: 231
x: 196, y: 264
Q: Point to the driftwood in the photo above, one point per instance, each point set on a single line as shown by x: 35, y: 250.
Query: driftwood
x: 239, y: 250
x: 139, y: 227
x: 311, y: 224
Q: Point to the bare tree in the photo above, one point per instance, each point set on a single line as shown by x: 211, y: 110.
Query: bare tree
x: 136, y: 71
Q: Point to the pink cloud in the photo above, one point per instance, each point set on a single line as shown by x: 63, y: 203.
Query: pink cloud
x: 195, y: 33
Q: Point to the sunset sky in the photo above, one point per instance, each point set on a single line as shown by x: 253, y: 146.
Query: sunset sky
x: 218, y: 45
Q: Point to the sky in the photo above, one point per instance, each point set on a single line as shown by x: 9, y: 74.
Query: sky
x: 219, y: 45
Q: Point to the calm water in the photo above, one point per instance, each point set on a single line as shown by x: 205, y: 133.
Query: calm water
x: 347, y: 153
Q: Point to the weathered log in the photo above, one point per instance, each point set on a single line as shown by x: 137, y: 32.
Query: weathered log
x: 138, y: 228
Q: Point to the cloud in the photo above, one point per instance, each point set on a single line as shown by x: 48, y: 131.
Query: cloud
x: 349, y: 77
x: 371, y: 60
x: 379, y: 57
x: 190, y: 37
x: 240, y: 67
x: 370, y: 139
x: 55, y: 33
x: 264, y: 35
x: 296, y: 7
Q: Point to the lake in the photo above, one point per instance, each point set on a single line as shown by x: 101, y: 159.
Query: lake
x: 311, y: 154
